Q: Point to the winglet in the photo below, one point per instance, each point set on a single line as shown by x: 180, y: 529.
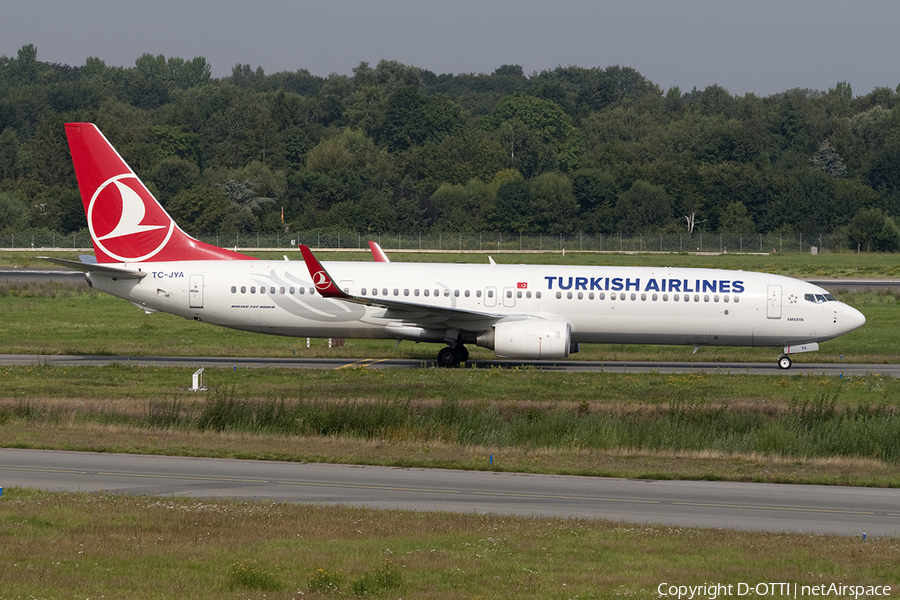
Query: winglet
x: 320, y: 277
x: 377, y: 253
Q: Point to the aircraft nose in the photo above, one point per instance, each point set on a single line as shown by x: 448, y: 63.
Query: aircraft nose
x: 852, y: 319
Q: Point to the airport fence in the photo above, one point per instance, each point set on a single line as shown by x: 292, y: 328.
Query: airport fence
x: 480, y: 242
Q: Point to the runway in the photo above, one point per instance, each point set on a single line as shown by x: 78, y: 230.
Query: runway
x: 196, y: 362
x: 747, y: 506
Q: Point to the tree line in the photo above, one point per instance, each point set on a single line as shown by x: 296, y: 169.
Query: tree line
x: 398, y: 148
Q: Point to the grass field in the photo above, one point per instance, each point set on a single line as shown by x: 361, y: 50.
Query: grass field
x: 96, y: 546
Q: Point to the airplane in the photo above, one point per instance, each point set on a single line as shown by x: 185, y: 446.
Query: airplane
x: 529, y: 312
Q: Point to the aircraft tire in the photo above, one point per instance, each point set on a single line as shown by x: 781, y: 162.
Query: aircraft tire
x: 448, y: 358
x: 784, y: 362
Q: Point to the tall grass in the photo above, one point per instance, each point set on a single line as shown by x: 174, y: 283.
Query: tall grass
x: 816, y: 427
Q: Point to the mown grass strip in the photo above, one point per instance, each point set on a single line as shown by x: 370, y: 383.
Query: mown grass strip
x: 81, y: 545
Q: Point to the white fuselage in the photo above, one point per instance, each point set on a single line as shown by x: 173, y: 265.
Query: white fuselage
x: 641, y: 305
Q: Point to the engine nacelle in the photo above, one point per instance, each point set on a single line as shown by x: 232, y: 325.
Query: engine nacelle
x: 529, y: 339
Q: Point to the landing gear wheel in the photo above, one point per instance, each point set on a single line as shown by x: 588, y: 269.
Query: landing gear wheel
x: 448, y: 357
x: 463, y: 353
x: 784, y: 362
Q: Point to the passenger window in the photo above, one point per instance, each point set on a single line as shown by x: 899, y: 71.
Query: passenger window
x: 234, y: 289
x: 446, y: 293
x: 706, y: 297
x: 292, y: 291
x: 665, y: 297
x: 384, y: 292
x: 416, y: 292
x: 509, y: 293
x: 612, y: 296
x: 737, y: 299
x: 490, y: 294
x: 558, y: 295
x: 643, y: 297
x: 568, y: 295
x: 467, y: 293
x: 456, y: 293
x: 362, y: 292
x: 716, y: 298
x: 675, y: 298
x: 602, y: 296
x: 272, y: 290
x: 302, y: 291
x: 528, y: 294
x: 477, y: 293
x: 243, y: 289
x: 281, y: 291
x: 406, y: 292
x: 426, y: 292
x: 590, y: 295
x: 396, y: 292
x: 518, y: 294
x: 725, y: 298
x: 537, y: 295
x: 654, y: 297
x: 252, y: 289
x: 633, y: 296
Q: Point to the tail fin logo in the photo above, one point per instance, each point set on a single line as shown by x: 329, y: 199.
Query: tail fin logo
x: 126, y: 222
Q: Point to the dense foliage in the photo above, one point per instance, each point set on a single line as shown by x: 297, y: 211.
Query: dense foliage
x: 396, y: 148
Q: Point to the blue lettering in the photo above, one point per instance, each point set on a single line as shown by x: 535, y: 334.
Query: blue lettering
x: 581, y: 283
x: 674, y: 285
x: 652, y: 286
x: 686, y: 288
x: 595, y: 283
x: 724, y: 286
x: 737, y: 286
x: 549, y: 281
x: 568, y: 285
x: 709, y: 286
x: 629, y: 284
x: 616, y: 284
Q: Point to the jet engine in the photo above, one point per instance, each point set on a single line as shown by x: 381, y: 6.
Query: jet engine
x: 535, y: 339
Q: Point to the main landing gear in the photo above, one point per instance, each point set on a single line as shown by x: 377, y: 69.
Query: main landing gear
x: 452, y: 356
x: 784, y: 361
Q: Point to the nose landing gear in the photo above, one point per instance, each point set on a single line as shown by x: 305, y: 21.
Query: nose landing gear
x: 784, y: 361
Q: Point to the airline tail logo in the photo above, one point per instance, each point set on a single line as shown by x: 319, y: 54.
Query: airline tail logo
x: 126, y: 222
x: 321, y: 281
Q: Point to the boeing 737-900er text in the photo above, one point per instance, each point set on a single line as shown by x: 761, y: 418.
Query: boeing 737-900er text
x: 518, y: 311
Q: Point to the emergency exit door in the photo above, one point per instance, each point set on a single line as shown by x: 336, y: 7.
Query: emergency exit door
x: 773, y: 302
x: 195, y: 291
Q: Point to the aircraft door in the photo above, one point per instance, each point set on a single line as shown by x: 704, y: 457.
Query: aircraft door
x: 773, y: 302
x: 490, y: 296
x: 195, y: 291
x: 509, y: 297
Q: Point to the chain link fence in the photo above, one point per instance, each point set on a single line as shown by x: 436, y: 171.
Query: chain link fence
x: 480, y: 242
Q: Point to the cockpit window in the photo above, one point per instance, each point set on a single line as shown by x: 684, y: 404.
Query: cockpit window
x: 819, y: 298
x: 830, y: 298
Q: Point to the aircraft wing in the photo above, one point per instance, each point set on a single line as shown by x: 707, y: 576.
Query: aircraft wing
x: 422, y: 314
x: 103, y: 269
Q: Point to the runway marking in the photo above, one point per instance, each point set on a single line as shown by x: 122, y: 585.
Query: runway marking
x: 362, y: 363
x: 780, y: 508
x: 369, y: 487
x: 43, y: 470
x: 184, y: 477
x: 552, y: 497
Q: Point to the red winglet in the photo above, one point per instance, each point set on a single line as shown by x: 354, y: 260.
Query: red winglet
x: 320, y: 277
x: 377, y: 253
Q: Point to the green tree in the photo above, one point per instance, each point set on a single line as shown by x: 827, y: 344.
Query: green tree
x: 517, y: 119
x: 735, y: 219
x: 643, y: 207
x: 553, y: 205
x: 511, y: 210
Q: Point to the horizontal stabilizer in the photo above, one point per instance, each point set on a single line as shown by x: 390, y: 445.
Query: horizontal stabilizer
x: 105, y: 270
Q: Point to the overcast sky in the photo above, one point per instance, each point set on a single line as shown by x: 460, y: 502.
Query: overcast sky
x: 760, y: 46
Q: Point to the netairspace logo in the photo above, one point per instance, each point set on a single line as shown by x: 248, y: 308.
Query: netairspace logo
x: 771, y: 590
